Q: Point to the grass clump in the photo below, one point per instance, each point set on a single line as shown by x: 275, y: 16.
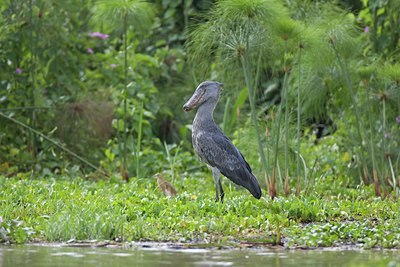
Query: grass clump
x: 50, y: 210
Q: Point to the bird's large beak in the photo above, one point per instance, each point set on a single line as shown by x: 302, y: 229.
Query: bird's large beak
x: 194, y: 101
x: 186, y: 107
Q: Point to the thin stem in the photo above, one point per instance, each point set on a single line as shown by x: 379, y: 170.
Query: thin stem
x: 245, y: 66
x: 171, y: 166
x: 384, y: 138
x: 25, y: 108
x: 225, y: 123
x: 258, y: 71
x: 246, y: 70
x: 125, y: 95
x: 174, y: 162
x: 371, y: 134
x: 31, y: 121
x: 139, y: 140
x: 352, y: 137
x: 278, y: 127
x: 353, y: 100
x: 285, y: 90
x: 298, y: 124
x: 393, y: 177
x: 257, y: 78
x: 278, y: 169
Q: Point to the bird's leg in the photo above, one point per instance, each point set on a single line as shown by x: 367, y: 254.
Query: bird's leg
x: 219, y: 192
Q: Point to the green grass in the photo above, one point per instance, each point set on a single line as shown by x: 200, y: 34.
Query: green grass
x: 62, y: 209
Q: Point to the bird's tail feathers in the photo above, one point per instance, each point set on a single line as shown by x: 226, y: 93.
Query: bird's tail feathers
x: 253, y: 186
x: 245, y: 178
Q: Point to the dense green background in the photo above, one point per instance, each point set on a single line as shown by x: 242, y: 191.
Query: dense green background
x: 95, y: 88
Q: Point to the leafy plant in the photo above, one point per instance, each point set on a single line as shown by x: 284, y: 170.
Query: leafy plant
x: 121, y: 15
x: 382, y: 21
x: 80, y: 209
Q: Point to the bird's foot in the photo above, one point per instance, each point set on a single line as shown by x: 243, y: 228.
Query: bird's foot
x: 220, y: 198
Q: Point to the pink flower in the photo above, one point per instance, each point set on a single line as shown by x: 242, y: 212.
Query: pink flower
x: 99, y: 35
x: 398, y: 119
x: 89, y: 50
x: 113, y: 66
x: 388, y: 136
x: 18, y: 71
x: 366, y: 29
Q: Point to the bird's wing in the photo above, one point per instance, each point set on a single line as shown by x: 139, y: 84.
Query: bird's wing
x: 218, y: 151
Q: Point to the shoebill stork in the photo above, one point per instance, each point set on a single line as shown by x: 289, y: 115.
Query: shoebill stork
x: 213, y: 147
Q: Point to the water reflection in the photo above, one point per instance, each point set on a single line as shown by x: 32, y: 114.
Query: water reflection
x: 35, y: 256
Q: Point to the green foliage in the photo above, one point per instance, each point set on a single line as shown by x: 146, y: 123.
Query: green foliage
x: 311, y: 51
x: 99, y: 85
x: 63, y: 209
x: 118, y: 14
x: 121, y: 15
x: 14, y: 231
x: 74, y: 73
x: 232, y: 29
x: 382, y: 21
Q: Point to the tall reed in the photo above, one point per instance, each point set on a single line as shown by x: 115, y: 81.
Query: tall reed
x: 139, y: 140
x: 360, y: 137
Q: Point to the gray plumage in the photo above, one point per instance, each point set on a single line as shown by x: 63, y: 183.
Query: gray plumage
x: 213, y: 147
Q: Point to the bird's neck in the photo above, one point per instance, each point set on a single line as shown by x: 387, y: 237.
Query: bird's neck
x: 204, y: 115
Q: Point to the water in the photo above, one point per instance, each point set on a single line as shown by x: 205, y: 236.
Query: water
x: 35, y: 256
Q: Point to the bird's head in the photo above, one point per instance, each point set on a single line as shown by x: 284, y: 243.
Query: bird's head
x: 206, y: 91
